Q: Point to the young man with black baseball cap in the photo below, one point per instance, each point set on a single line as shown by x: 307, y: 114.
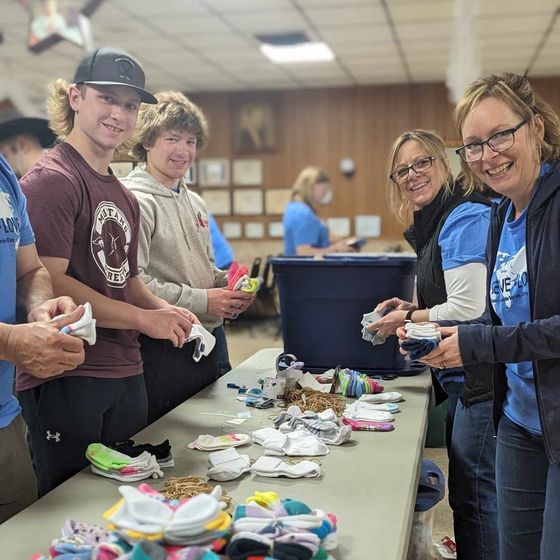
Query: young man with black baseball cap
x: 86, y: 226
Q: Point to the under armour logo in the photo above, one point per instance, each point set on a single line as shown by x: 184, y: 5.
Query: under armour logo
x: 55, y: 436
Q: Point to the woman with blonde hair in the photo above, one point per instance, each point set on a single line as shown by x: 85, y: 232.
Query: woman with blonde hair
x: 448, y: 233
x: 304, y: 232
x: 511, y: 141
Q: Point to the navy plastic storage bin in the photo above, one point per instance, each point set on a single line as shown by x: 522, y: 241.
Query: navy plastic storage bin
x: 322, y: 303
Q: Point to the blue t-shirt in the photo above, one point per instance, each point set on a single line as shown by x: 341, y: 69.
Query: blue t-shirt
x: 15, y: 230
x: 462, y: 239
x: 509, y: 295
x: 303, y: 227
x: 223, y: 253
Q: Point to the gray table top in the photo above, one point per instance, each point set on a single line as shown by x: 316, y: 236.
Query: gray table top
x: 369, y: 483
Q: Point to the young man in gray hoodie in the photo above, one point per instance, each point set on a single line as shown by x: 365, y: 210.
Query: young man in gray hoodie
x: 175, y: 258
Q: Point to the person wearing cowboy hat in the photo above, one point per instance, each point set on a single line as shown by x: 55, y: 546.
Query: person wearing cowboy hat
x: 23, y: 140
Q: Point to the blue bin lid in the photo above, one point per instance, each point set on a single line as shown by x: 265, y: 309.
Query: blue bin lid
x: 376, y: 259
x: 431, y: 486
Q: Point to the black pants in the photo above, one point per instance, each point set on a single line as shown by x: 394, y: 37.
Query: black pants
x: 171, y: 374
x: 65, y: 415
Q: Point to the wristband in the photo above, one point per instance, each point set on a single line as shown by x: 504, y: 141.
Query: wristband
x: 409, y: 313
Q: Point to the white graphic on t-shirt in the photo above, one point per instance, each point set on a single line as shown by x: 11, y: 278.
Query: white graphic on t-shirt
x: 110, y: 242
x: 9, y: 221
x: 6, y: 210
x: 511, y: 274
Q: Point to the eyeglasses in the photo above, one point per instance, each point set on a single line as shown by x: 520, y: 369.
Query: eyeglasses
x: 421, y: 165
x: 497, y: 142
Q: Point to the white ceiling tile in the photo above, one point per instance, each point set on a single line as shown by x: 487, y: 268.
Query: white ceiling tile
x: 149, y: 8
x: 500, y: 7
x: 372, y: 14
x: 508, y: 25
x: 369, y: 34
x: 227, y: 6
x: 267, y: 22
x: 420, y: 11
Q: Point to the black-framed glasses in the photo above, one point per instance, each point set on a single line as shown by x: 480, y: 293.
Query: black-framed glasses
x: 401, y: 175
x: 497, y: 142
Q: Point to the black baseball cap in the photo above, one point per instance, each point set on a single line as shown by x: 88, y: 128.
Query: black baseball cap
x: 108, y: 66
x: 13, y: 123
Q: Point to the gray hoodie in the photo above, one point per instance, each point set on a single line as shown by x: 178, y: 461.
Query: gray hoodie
x: 175, y: 258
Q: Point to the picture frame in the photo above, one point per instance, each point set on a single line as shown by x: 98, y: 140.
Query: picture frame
x: 218, y: 201
x: 254, y: 124
x: 248, y: 202
x: 247, y: 172
x: 276, y: 200
x: 190, y: 176
x: 213, y: 172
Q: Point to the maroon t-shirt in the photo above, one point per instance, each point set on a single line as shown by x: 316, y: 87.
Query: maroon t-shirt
x: 92, y: 220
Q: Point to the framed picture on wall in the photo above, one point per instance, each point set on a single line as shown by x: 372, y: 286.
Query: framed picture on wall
x: 254, y: 125
x: 190, y: 175
x: 213, y: 172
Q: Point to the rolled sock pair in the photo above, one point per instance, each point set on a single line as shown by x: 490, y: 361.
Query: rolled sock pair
x: 245, y: 546
x: 298, y: 443
x: 84, y: 327
x: 205, y: 342
x: 275, y: 467
x: 356, y: 411
x: 112, y: 464
x: 388, y: 397
x: 227, y: 465
x: 207, y: 442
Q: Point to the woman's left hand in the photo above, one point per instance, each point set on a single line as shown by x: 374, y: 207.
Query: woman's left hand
x: 389, y: 324
x: 447, y: 353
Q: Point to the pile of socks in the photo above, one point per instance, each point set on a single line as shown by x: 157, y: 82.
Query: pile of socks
x: 268, y: 527
x: 322, y: 424
x: 238, y: 279
x: 420, y: 339
x: 360, y: 410
x: 145, y: 514
x: 162, y: 451
x: 298, y: 443
x: 354, y: 384
x: 112, y: 464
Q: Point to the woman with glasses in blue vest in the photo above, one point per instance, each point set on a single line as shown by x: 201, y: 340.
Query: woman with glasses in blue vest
x: 448, y: 233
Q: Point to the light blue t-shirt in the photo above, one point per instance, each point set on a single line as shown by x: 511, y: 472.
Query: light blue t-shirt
x: 303, y: 227
x: 15, y: 230
x: 509, y: 295
x: 223, y: 253
x: 462, y: 239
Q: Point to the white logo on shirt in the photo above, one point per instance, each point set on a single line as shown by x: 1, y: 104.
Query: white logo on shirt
x: 511, y: 274
x: 110, y: 243
x: 55, y: 436
x: 6, y: 210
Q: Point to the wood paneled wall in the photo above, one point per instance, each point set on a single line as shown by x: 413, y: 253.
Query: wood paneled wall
x: 321, y: 126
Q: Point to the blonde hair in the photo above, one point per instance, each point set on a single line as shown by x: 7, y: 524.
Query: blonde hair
x: 516, y: 92
x: 434, y: 146
x: 174, y: 111
x: 303, y: 186
x: 61, y: 115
